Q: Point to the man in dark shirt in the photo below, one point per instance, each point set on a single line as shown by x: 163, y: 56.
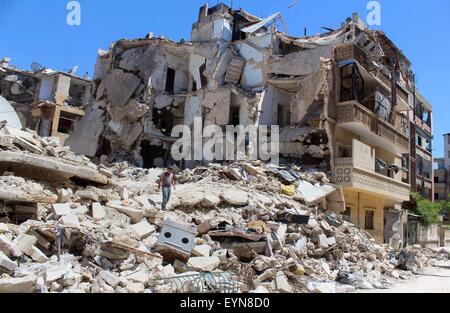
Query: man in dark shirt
x: 166, y: 181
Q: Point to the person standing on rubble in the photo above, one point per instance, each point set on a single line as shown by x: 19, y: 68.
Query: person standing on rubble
x: 166, y: 180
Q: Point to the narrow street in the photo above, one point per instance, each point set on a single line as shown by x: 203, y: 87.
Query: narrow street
x: 430, y: 280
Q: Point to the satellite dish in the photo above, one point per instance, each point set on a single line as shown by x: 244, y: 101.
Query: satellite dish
x: 74, y: 70
x: 36, y: 67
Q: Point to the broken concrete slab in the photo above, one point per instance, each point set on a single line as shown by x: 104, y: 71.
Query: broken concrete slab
x: 11, y: 194
x: 120, y: 86
x: 98, y: 212
x: 139, y: 277
x: 204, y: 264
x: 136, y: 215
x: 135, y: 287
x: 37, y: 255
x: 235, y: 197
x: 282, y: 283
x: 70, y: 220
x: 25, y: 284
x: 109, y: 278
x: 25, y: 242
x: 323, y: 241
x: 61, y: 209
x: 202, y: 250
x: 53, y: 274
x: 49, y: 169
x: 4, y: 228
x: 87, y: 195
x: 143, y: 229
x: 9, y: 248
x: 7, y: 263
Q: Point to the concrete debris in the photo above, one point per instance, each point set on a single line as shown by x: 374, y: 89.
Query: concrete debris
x: 70, y: 224
x: 204, y: 264
x: 246, y: 227
x: 6, y: 263
x: 143, y: 229
x: 25, y: 284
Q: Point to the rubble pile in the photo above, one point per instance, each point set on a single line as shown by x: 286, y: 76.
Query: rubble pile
x: 245, y: 227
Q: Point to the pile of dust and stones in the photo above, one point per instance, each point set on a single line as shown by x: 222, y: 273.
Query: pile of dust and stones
x: 99, y: 236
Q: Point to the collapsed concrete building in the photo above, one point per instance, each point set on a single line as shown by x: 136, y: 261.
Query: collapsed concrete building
x: 45, y: 100
x: 343, y: 100
x: 227, y: 74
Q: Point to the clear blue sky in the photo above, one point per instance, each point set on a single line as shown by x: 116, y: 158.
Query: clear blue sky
x: 36, y: 30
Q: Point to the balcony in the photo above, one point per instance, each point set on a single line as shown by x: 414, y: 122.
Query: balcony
x: 423, y: 181
x: 348, y: 174
x: 358, y: 171
x: 391, y: 136
x: 440, y: 187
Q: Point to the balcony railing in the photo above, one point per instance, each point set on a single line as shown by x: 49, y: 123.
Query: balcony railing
x: 394, y: 133
x: 349, y: 174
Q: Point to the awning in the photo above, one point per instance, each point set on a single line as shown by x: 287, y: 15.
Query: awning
x: 264, y: 22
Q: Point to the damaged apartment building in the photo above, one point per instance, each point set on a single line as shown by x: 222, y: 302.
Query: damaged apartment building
x: 343, y: 101
x: 46, y: 101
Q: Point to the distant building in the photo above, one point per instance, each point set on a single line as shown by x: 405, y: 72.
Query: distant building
x: 442, y: 173
x: 45, y: 100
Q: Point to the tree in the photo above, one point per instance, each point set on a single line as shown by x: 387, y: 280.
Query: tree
x: 429, y: 211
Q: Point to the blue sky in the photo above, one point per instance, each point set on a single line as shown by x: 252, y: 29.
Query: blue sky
x: 36, y: 30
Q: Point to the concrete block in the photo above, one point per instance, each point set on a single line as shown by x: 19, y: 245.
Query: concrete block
x: 204, y: 264
x: 25, y: 284
x: 9, y: 248
x: 203, y: 250
x: 135, y: 287
x: 37, y: 255
x: 54, y: 274
x: 6, y: 263
x: 25, y: 242
x: 98, y: 212
x: 323, y: 241
x: 282, y: 284
x: 3, y: 228
x: 62, y: 209
x: 70, y: 220
x: 139, y: 277
x: 143, y: 229
x: 109, y: 278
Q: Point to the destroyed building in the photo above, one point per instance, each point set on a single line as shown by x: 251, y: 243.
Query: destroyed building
x: 422, y: 171
x: 330, y: 222
x: 442, y: 173
x: 45, y: 100
x: 343, y: 101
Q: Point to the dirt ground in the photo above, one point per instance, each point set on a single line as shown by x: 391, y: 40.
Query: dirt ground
x: 430, y: 280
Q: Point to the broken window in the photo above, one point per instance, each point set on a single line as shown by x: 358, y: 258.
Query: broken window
x: 369, y: 220
x: 153, y: 156
x: 163, y: 120
x: 203, y: 79
x: 66, y: 122
x: 234, y: 116
x: 77, y: 95
x: 286, y: 48
x: 238, y: 24
x: 347, y: 214
x: 419, y: 141
x: 170, y: 80
x: 352, y: 85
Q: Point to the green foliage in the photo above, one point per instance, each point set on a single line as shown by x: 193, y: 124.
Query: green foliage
x: 445, y: 205
x: 427, y: 209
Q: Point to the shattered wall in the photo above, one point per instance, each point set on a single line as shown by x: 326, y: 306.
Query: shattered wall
x: 237, y: 69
